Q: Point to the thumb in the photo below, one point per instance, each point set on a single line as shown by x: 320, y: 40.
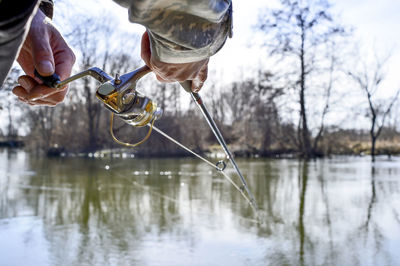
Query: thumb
x: 42, y: 53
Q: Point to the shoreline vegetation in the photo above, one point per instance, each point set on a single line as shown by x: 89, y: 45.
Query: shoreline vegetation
x: 331, y: 145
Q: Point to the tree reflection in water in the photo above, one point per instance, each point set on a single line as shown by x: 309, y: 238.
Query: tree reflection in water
x: 303, y: 177
x: 174, y: 212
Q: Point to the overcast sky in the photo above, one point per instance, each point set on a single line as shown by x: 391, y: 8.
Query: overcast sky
x: 375, y: 23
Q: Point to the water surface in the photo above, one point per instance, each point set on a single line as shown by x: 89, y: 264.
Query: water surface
x: 76, y: 211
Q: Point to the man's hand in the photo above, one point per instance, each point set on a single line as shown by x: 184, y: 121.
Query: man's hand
x: 46, y: 50
x: 165, y: 72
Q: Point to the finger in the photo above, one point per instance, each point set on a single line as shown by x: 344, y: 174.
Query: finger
x: 168, y: 72
x: 42, y: 103
x: 41, y: 92
x: 20, y: 92
x: 22, y: 96
x: 27, y: 82
x: 196, y: 85
x: 145, y: 51
x: 64, y: 57
x: 198, y: 81
x: 42, y: 53
x: 178, y: 72
x: 31, y: 89
x: 56, y: 97
x: 203, y: 74
x: 164, y: 72
x: 161, y: 79
x: 22, y: 100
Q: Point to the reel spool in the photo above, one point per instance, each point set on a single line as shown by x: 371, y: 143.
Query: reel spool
x: 123, y: 100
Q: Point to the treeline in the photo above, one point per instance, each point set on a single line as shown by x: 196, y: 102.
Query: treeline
x: 280, y: 111
x: 255, y: 127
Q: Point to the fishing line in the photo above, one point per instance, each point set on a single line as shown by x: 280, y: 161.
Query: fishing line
x: 216, y: 166
x: 240, y: 189
x: 151, y: 191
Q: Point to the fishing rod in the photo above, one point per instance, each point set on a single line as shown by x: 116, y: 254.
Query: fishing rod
x: 120, y: 96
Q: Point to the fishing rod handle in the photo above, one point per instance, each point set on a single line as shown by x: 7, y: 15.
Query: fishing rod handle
x: 187, y: 85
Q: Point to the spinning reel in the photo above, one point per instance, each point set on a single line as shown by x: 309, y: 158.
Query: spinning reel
x: 119, y: 95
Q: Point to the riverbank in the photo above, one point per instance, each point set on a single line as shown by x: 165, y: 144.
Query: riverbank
x: 11, y: 144
x: 353, y: 148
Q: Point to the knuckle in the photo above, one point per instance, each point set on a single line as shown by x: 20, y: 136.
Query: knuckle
x: 72, y: 56
x: 161, y: 79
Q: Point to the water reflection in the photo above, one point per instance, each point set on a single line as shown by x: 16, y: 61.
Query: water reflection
x: 303, y: 178
x: 341, y: 211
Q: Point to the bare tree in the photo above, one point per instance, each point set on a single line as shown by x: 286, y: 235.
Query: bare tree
x: 369, y: 79
x: 40, y: 121
x: 300, y: 30
x: 328, y: 87
x: 12, y: 106
x: 254, y: 114
x: 96, y: 44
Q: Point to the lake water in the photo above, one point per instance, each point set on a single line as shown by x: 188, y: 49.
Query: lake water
x: 77, y: 211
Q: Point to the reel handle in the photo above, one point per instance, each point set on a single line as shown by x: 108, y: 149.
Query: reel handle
x: 50, y: 81
x: 54, y: 80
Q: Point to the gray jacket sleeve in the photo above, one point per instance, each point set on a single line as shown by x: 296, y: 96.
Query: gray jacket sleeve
x: 13, y: 27
x: 14, y: 24
x: 183, y: 31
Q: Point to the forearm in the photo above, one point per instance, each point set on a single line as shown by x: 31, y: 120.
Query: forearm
x: 183, y: 31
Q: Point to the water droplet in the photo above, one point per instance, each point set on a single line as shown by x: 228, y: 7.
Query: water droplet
x: 107, y: 167
x: 182, y: 184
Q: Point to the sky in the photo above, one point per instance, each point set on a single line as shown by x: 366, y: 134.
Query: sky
x: 375, y: 25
